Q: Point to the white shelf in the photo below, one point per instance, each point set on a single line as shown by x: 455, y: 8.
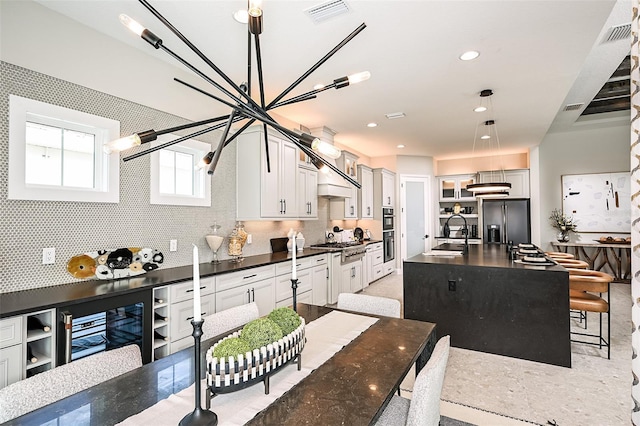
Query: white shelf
x: 33, y: 335
x: 466, y: 216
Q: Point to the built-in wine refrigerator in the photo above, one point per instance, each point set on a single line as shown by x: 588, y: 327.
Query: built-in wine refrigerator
x: 108, y: 323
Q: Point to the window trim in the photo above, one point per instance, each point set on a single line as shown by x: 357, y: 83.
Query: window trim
x: 107, y: 129
x: 192, y: 146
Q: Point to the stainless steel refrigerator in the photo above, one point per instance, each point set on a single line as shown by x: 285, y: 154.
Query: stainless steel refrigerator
x: 506, y: 220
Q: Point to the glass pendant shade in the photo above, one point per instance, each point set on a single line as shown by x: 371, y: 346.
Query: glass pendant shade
x: 488, y: 187
x: 492, y: 194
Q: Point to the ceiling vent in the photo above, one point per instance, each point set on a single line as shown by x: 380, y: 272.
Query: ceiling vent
x: 619, y: 32
x: 573, y: 107
x: 326, y: 10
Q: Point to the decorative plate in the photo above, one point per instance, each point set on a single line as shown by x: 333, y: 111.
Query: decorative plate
x: 114, y: 263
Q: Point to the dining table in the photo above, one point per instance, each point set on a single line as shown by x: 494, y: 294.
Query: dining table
x: 352, y: 386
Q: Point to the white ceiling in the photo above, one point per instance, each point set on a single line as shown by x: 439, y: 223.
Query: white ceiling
x: 537, y: 56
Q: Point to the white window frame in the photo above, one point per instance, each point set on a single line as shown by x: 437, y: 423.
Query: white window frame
x: 202, y: 182
x: 107, y: 173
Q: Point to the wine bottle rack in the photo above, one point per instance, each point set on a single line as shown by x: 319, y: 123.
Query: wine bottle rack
x: 40, y: 341
x: 161, y: 322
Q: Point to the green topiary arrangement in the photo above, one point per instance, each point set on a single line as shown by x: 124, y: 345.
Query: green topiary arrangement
x: 232, y: 346
x: 286, y: 318
x: 261, y: 332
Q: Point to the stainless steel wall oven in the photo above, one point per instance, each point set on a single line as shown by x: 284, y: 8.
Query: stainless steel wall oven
x: 388, y: 245
x: 104, y: 324
x: 387, y: 219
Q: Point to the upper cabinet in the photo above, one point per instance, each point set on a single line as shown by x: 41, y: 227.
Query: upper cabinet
x: 307, y: 193
x: 346, y: 208
x: 454, y: 187
x: 384, y: 187
x: 262, y: 194
x: 519, y: 180
x: 365, y: 200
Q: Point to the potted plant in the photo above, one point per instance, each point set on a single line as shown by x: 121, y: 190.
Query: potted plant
x: 564, y: 224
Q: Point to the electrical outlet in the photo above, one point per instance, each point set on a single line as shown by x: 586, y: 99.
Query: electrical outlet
x: 249, y: 239
x: 173, y: 245
x: 48, y: 256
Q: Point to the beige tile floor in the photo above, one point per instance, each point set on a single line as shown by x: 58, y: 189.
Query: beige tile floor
x: 595, y: 391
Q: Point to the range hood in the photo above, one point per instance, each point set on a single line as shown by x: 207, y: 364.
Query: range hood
x: 330, y: 184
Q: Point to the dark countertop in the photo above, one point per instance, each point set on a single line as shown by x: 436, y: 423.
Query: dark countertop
x: 491, y: 255
x: 25, y: 301
x: 115, y: 400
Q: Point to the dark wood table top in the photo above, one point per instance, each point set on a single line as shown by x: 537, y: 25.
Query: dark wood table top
x: 353, y: 387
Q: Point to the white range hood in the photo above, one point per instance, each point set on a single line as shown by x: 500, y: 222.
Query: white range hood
x: 330, y: 184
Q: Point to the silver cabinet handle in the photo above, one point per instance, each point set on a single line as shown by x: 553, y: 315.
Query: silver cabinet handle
x: 248, y: 296
x: 285, y: 206
x: 351, y: 210
x: 280, y: 206
x: 249, y: 276
x: 253, y: 294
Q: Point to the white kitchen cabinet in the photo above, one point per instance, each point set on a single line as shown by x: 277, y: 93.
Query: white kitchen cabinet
x: 312, y: 281
x: 373, y: 269
x: 181, y: 315
x: 388, y: 267
x: 454, y: 187
x: 384, y: 187
x: 262, y: 194
x: 320, y: 279
x: 351, y: 274
x: 11, y: 365
x: 365, y: 198
x: 346, y: 208
x: 307, y: 193
x: 262, y: 292
x: 519, y: 180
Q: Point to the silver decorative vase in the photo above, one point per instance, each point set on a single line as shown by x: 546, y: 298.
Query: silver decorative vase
x: 563, y: 237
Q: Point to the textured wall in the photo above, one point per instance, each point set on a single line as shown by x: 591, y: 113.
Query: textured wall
x: 72, y: 228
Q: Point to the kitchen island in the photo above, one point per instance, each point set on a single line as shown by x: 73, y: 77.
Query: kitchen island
x: 487, y: 302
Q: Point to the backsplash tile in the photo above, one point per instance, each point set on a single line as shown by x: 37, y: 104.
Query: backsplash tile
x: 28, y: 226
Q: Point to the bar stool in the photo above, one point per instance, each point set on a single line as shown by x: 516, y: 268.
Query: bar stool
x: 559, y: 255
x: 582, y: 284
x: 572, y: 263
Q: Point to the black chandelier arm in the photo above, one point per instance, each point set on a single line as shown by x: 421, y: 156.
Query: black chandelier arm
x: 303, y: 97
x: 221, y: 144
x: 256, y: 40
x: 326, y: 57
x: 167, y: 144
x: 191, y: 125
x: 197, y: 51
x: 248, y: 63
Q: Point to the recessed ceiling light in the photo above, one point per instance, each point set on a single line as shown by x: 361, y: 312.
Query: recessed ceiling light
x: 467, y: 56
x: 372, y: 124
x: 480, y: 109
x: 241, y: 16
x: 400, y: 146
x: 394, y: 115
x: 485, y: 137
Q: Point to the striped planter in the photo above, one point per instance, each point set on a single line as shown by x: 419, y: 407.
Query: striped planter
x: 234, y: 373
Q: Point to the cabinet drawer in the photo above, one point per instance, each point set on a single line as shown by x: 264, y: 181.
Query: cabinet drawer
x: 184, y: 291
x: 182, y: 314
x: 283, y: 285
x: 304, y: 263
x: 377, y: 258
x: 10, y: 331
x: 235, y: 279
x: 378, y: 272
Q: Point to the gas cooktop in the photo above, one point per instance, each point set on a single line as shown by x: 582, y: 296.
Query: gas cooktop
x: 337, y: 246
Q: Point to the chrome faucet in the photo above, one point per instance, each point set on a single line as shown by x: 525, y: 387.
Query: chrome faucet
x: 465, y: 231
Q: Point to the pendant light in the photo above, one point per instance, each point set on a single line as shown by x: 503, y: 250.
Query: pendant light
x: 496, y: 185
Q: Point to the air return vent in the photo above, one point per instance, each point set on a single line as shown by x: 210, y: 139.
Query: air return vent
x: 619, y: 32
x: 326, y: 10
x: 573, y: 107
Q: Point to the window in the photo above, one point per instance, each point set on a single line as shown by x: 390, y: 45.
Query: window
x: 175, y: 179
x: 55, y: 154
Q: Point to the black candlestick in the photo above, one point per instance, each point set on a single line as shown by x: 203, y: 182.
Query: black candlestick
x: 198, y: 417
x: 294, y: 287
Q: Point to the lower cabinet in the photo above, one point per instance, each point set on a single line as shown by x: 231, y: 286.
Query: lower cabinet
x: 181, y: 315
x: 313, y: 281
x: 261, y: 292
x: 374, y: 269
x: 351, y: 281
x: 10, y: 350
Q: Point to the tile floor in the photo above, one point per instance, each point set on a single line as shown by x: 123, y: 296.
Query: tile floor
x: 595, y: 391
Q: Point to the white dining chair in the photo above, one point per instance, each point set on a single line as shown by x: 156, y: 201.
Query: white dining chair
x: 367, y: 304
x: 423, y: 408
x: 53, y: 385
x: 223, y: 321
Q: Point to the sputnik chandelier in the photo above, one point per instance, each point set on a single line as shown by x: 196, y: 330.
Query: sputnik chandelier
x: 496, y: 185
x: 239, y: 99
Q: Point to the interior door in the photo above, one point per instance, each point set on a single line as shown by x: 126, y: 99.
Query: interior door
x: 415, y: 197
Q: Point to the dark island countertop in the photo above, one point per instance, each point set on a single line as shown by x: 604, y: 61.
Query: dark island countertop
x: 25, y: 301
x: 486, y: 255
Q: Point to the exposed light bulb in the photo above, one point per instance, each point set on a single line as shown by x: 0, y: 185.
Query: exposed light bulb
x: 255, y: 8
x: 131, y: 24
x: 326, y: 148
x: 359, y: 77
x: 122, y: 144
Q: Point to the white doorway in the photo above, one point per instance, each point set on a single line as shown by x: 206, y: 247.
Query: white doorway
x: 415, y: 215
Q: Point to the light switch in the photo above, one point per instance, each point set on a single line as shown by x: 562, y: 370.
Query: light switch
x: 173, y: 245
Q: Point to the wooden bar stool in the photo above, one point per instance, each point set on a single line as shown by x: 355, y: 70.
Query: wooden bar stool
x: 572, y: 263
x: 559, y: 255
x: 582, y: 284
